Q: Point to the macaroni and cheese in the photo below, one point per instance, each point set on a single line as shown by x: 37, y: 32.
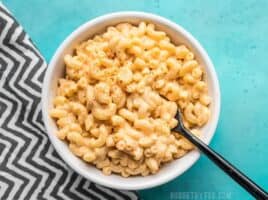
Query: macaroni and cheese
x: 116, y: 105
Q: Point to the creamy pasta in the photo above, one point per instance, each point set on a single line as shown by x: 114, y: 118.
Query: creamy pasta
x: 116, y: 105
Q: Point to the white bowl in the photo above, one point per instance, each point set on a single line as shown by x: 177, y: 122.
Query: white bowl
x: 56, y: 70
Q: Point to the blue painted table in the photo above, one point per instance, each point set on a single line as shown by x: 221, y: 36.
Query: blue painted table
x: 235, y: 35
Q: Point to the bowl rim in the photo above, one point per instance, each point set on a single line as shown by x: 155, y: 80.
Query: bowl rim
x: 84, y: 27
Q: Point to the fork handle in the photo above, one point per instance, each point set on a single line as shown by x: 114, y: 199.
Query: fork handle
x: 226, y: 166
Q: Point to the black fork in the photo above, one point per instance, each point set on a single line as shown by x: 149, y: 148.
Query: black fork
x: 221, y: 162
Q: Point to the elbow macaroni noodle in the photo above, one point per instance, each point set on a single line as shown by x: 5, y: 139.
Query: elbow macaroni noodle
x: 117, y: 103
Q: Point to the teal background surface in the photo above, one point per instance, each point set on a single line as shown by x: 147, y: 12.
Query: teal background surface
x: 235, y: 35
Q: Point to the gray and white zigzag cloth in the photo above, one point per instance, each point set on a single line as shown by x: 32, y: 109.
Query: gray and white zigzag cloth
x: 29, y: 166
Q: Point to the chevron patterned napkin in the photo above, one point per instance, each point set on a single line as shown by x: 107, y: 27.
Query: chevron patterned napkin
x: 29, y: 166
